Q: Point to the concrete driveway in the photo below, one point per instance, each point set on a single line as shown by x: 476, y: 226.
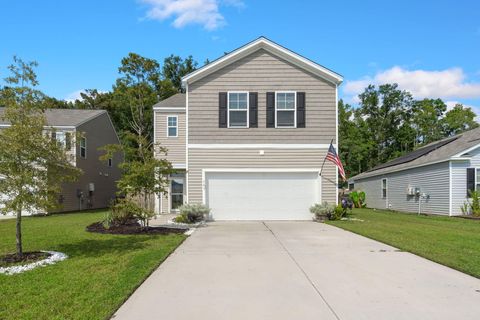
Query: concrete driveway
x: 298, y: 270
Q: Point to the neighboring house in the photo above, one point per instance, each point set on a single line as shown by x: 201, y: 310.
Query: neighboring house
x: 435, y: 179
x: 96, y: 187
x: 249, y: 136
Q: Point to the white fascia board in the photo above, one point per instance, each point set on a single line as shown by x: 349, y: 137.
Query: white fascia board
x: 261, y: 170
x: 258, y: 146
x: 46, y: 127
x: 263, y: 43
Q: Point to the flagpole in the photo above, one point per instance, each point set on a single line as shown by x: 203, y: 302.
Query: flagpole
x: 324, y: 159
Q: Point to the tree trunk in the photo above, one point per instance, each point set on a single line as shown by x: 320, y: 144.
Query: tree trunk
x: 19, y: 234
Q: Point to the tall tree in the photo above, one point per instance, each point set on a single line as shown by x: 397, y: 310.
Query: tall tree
x: 385, y: 111
x: 174, y: 68
x: 426, y: 120
x: 135, y: 91
x: 32, y: 165
x: 459, y: 119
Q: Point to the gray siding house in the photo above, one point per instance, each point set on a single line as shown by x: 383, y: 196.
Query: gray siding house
x: 96, y: 187
x: 434, y: 179
x: 249, y: 135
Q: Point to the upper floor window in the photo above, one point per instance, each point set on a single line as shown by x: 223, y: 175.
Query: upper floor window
x: 109, y: 162
x: 285, y: 109
x: 172, y: 126
x: 238, y: 109
x: 83, y: 147
x: 63, y: 139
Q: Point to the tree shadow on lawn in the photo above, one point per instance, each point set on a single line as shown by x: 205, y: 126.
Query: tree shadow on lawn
x: 100, y: 247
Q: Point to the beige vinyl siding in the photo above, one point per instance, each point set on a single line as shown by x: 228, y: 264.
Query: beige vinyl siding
x: 261, y: 72
x: 250, y: 158
x: 431, y: 179
x: 175, y: 145
x: 99, y: 132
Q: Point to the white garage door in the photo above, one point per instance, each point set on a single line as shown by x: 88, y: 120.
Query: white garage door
x: 261, y: 195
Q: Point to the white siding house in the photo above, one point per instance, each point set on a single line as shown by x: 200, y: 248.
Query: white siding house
x: 434, y: 179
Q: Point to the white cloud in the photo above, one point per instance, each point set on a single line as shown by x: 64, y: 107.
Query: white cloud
x: 75, y: 95
x: 185, y: 12
x: 445, y: 84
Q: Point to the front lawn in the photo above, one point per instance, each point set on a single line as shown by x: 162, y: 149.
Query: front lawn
x: 453, y: 242
x: 101, y: 271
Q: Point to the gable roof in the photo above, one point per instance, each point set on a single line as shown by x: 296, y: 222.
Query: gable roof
x: 177, y: 101
x: 64, y: 117
x: 270, y: 46
x: 451, y: 148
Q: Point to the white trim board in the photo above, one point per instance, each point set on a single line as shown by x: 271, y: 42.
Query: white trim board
x: 272, y: 47
x: 259, y: 146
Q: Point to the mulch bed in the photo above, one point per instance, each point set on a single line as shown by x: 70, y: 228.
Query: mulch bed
x: 132, y: 228
x: 12, y: 259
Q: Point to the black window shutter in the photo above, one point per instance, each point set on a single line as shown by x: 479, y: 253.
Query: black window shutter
x: 301, y: 110
x: 222, y: 110
x: 270, y: 109
x: 253, y: 112
x: 470, y: 180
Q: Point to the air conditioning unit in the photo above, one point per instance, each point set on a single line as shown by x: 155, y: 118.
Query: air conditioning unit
x: 413, y: 191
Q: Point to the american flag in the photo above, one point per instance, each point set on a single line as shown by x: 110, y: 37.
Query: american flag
x: 333, y: 157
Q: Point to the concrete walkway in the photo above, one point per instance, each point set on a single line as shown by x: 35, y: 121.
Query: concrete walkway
x: 298, y: 270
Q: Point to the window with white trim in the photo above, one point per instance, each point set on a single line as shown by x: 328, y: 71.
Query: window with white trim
x: 238, y: 109
x: 83, y: 147
x: 285, y: 109
x: 172, y: 126
x: 384, y: 188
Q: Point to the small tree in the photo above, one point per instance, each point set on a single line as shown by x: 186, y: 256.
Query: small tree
x: 32, y: 165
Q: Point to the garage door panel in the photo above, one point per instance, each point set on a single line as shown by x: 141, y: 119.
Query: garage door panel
x: 261, y: 196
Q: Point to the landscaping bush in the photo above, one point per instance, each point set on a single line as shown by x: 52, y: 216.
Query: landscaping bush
x: 339, y: 212
x: 191, y: 213
x: 120, y: 213
x: 472, y: 207
x: 322, y: 211
x: 358, y: 199
x: 126, y: 210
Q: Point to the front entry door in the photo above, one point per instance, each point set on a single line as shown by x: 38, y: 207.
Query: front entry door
x: 176, y: 191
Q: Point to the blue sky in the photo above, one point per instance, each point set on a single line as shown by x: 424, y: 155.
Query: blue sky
x: 431, y: 48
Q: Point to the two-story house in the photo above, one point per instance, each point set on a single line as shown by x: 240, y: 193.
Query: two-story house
x: 96, y: 187
x: 249, y: 135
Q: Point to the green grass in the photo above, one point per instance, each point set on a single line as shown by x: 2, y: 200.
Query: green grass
x: 99, y: 275
x: 453, y: 242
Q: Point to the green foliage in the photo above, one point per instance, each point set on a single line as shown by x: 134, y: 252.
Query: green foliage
x: 358, y: 199
x: 473, y: 206
x: 459, y: 119
x: 181, y: 219
x: 101, y: 272
x: 389, y: 123
x: 339, y: 212
x: 192, y: 213
x: 322, y: 211
x: 33, y: 166
x: 120, y: 213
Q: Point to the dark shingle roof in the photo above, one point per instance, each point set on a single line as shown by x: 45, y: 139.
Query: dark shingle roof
x: 176, y: 101
x: 64, y: 117
x: 434, y: 152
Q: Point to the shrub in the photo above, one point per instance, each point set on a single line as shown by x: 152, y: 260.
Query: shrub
x: 339, y: 212
x: 193, y: 212
x: 126, y: 210
x: 322, y: 211
x: 472, y: 207
x: 358, y: 199
x: 120, y: 213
